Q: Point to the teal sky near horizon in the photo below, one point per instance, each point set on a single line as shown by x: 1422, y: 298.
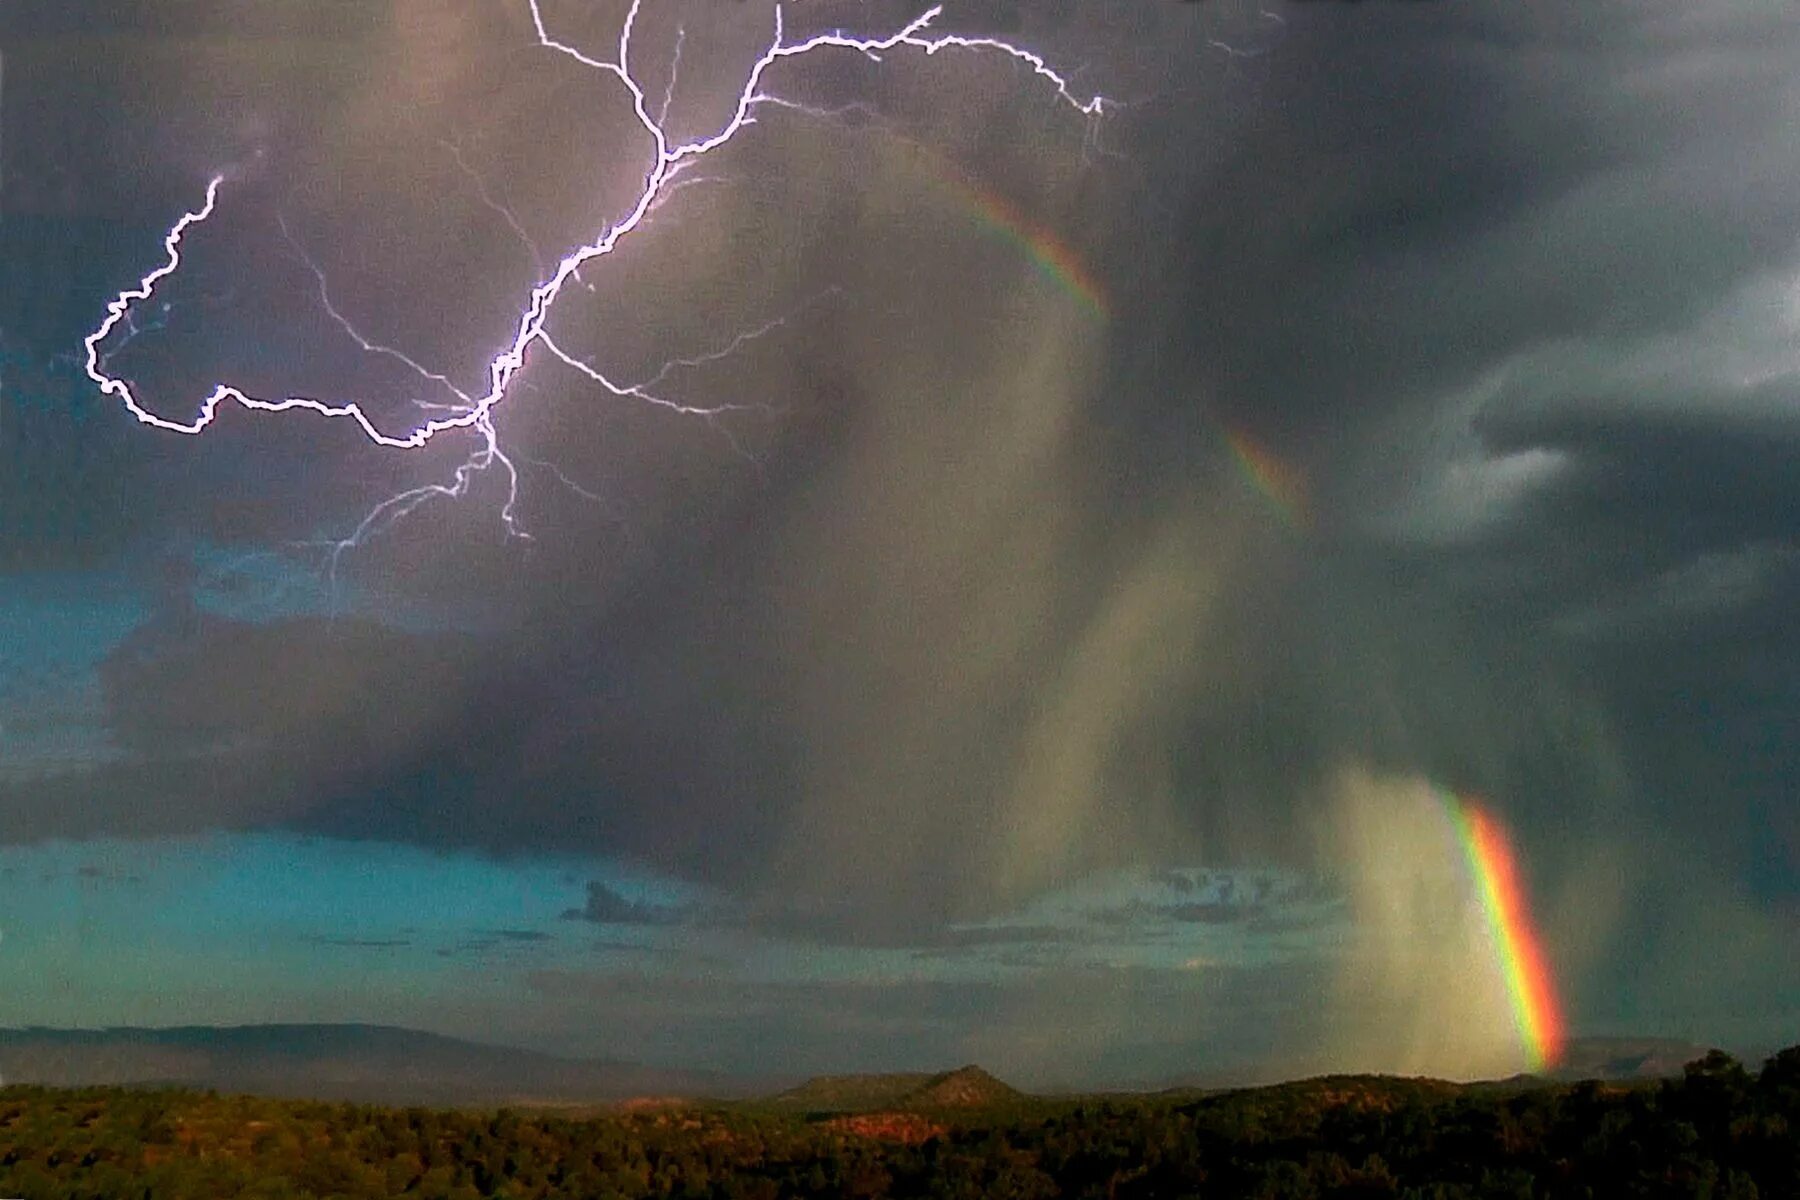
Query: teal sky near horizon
x: 234, y: 929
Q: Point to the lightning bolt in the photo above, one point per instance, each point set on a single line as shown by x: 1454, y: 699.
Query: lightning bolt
x: 471, y: 411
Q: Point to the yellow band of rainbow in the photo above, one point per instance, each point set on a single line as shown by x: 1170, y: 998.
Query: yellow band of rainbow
x: 1044, y: 247
x: 1529, y: 985
x: 1277, y: 481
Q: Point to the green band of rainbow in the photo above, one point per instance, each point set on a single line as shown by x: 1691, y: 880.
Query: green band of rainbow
x: 1529, y: 984
x: 1281, y: 484
x: 1054, y: 258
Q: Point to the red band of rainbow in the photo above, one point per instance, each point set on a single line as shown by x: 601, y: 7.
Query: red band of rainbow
x: 1042, y: 246
x: 1280, y: 483
x: 1529, y: 984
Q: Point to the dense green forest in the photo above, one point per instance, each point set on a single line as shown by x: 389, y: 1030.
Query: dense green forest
x: 1718, y: 1131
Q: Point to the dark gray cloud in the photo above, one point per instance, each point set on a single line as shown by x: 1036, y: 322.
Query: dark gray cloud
x: 605, y: 906
x: 993, y: 607
x: 331, y: 19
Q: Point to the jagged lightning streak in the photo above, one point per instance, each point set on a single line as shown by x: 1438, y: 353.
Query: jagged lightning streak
x: 501, y: 210
x: 474, y: 413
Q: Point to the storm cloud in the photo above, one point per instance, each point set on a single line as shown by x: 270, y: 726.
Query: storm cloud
x: 972, y: 593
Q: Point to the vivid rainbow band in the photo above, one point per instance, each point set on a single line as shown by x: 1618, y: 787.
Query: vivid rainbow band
x: 1529, y: 984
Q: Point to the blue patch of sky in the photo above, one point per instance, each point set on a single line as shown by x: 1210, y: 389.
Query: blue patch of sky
x: 55, y: 629
x: 266, y: 926
x: 236, y: 928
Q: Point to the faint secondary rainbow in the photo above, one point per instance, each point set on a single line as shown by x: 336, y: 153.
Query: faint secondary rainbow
x: 1054, y: 258
x: 1529, y: 985
x: 1278, y: 481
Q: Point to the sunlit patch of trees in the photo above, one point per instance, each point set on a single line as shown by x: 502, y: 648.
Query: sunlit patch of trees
x: 1718, y: 1131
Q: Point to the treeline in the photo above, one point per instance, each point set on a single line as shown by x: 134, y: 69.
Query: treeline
x: 1718, y: 1131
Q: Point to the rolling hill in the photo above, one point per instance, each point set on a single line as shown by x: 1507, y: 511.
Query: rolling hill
x: 965, y: 1087
x: 364, y: 1063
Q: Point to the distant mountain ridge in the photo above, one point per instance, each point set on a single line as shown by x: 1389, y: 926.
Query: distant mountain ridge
x: 390, y: 1065
x: 1606, y: 1059
x: 1624, y: 1058
x: 365, y: 1063
x: 965, y: 1087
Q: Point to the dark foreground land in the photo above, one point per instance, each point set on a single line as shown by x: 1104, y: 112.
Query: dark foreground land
x: 1717, y: 1131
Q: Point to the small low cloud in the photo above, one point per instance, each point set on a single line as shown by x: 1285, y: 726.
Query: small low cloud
x: 1262, y: 904
x: 1180, y: 882
x: 355, y: 943
x: 608, y: 907
x: 1222, y: 912
x: 611, y: 946
x: 489, y: 941
x: 97, y: 872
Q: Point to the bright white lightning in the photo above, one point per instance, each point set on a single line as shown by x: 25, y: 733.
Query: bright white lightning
x: 665, y: 176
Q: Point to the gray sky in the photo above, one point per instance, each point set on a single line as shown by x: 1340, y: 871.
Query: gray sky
x: 1066, y: 636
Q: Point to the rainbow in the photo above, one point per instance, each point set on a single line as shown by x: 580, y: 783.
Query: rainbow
x: 1278, y: 481
x: 1522, y: 963
x: 1054, y: 258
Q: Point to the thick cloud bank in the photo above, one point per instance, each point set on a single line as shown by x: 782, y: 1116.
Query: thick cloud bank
x: 1433, y: 428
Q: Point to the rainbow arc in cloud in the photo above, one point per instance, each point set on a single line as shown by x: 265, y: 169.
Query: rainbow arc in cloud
x: 1276, y: 480
x: 1041, y: 245
x: 1054, y: 258
x: 1530, y: 987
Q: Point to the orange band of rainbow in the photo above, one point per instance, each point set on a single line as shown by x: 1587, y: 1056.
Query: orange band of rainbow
x: 1529, y: 984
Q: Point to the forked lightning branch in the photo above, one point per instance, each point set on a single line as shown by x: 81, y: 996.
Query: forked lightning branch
x: 470, y: 410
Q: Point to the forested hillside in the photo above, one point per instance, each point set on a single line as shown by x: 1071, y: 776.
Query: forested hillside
x: 1717, y: 1131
